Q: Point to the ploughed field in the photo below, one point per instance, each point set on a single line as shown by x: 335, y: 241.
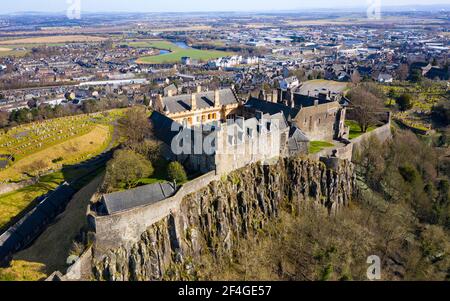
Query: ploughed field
x: 175, y: 54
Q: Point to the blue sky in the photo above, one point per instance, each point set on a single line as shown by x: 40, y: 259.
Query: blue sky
x: 9, y: 6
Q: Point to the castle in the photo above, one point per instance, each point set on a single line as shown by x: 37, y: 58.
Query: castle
x: 216, y: 130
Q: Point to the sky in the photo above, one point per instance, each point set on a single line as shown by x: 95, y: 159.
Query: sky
x: 192, y: 5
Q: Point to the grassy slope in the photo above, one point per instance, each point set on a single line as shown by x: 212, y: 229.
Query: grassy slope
x: 22, y: 271
x: 11, y: 204
x: 72, y: 151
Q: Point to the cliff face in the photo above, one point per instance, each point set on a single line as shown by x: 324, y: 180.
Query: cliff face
x: 211, y: 221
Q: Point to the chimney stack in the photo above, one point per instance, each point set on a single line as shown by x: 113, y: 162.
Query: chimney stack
x: 169, y: 93
x: 199, y: 89
x: 216, y: 98
x: 193, y: 101
x: 159, y: 102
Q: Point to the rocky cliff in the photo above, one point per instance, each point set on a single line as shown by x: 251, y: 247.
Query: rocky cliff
x: 211, y: 221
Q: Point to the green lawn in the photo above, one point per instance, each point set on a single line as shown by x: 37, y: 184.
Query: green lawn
x: 11, y: 204
x: 355, y: 130
x: 317, y: 146
x: 176, y: 53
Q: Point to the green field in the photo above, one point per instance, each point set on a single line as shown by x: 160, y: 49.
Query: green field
x: 176, y: 53
x: 317, y: 146
x: 355, y: 130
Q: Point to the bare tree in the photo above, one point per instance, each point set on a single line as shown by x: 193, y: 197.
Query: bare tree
x: 356, y: 78
x: 135, y: 126
x: 403, y: 72
x: 365, y: 107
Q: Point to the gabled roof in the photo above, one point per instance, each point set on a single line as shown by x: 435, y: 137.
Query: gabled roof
x: 181, y: 103
x: 164, y: 127
x: 144, y: 195
x: 297, y: 139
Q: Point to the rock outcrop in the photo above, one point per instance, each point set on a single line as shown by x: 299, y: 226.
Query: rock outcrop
x: 211, y: 221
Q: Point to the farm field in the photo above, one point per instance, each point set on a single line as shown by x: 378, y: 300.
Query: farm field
x: 12, y: 52
x: 176, y: 53
x: 53, y: 40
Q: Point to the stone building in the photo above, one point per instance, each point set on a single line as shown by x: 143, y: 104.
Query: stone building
x: 320, y: 117
x: 200, y: 107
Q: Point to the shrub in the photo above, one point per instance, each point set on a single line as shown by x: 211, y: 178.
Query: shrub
x: 126, y: 168
x: 408, y: 173
x: 57, y: 160
x: 176, y: 172
x: 405, y: 102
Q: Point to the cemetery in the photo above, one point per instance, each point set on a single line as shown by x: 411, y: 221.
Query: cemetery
x: 48, y: 145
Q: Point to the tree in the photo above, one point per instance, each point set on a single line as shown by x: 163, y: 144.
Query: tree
x: 392, y: 95
x: 176, y: 172
x: 441, y: 112
x: 146, y: 101
x: 403, y: 72
x: 416, y: 76
x: 4, y: 119
x: 126, y: 167
x: 356, y: 78
x: 135, y: 126
x: 365, y: 107
x: 404, y: 102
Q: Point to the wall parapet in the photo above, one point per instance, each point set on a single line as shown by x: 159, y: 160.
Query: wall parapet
x: 126, y: 227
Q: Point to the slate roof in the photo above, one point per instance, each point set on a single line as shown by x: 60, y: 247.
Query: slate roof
x: 297, y: 139
x: 271, y: 108
x: 301, y: 100
x: 181, y: 103
x: 162, y: 127
x: 144, y: 195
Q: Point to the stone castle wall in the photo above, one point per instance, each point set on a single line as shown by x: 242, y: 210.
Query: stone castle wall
x: 126, y: 227
x: 212, y: 219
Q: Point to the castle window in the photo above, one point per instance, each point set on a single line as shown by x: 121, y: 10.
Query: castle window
x: 250, y: 132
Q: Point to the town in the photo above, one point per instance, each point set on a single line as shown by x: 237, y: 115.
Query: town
x: 137, y: 141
